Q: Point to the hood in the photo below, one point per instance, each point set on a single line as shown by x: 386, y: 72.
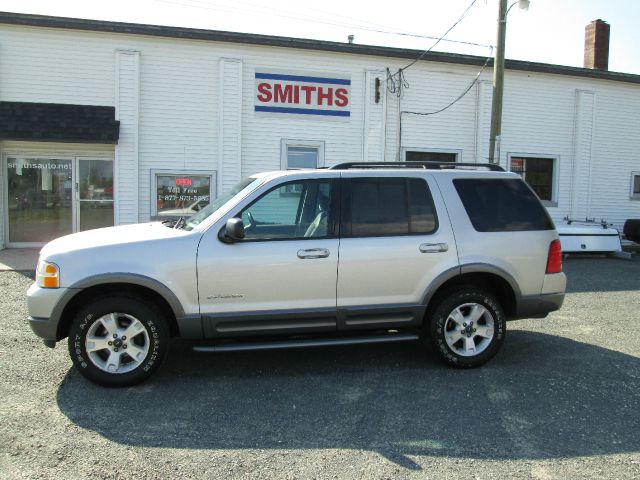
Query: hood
x: 110, y: 236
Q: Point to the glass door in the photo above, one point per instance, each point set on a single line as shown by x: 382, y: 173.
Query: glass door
x: 94, y: 193
x: 39, y: 199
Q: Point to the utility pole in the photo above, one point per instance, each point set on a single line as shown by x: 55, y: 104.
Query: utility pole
x: 498, y: 84
x: 498, y: 79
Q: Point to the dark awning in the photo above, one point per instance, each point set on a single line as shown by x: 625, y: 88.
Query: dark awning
x: 52, y: 122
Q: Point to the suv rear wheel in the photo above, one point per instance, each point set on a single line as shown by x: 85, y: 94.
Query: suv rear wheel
x: 118, y: 340
x: 467, y: 328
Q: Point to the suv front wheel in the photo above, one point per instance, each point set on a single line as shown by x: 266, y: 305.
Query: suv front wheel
x: 467, y: 328
x: 118, y: 340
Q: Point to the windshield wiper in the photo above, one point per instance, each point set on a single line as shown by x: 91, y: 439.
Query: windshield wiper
x: 180, y: 222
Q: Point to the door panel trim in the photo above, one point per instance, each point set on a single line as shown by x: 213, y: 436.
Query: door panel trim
x: 269, y: 322
x: 380, y: 316
x: 287, y: 322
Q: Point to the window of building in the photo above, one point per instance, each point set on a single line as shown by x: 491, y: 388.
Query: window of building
x: 416, y: 155
x: 390, y: 206
x: 295, y: 210
x: 539, y: 173
x: 635, y: 185
x: 178, y: 194
x: 48, y: 197
x: 299, y: 154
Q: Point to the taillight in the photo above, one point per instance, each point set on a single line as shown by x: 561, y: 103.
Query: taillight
x: 554, y: 260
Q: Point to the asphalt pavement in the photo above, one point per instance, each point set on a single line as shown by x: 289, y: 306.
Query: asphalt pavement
x: 561, y: 400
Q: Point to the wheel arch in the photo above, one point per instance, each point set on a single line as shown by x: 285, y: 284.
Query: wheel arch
x: 81, y: 292
x: 486, y: 277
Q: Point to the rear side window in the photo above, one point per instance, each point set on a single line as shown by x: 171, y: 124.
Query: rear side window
x: 388, y: 206
x: 502, y: 205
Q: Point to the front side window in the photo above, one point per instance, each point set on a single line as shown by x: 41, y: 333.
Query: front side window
x: 389, y: 206
x: 295, y: 210
x: 538, y: 173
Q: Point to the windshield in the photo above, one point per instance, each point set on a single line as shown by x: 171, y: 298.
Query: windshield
x: 207, y: 211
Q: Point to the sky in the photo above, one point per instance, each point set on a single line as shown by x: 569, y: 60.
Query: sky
x: 550, y: 31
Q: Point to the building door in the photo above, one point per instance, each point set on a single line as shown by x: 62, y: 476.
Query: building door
x: 94, y: 194
x: 47, y: 197
x: 39, y: 199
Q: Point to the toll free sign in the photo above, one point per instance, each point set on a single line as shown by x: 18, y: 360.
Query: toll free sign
x: 302, y: 94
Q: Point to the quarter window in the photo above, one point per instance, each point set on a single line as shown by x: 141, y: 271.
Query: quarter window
x: 294, y: 210
x: 502, y: 205
x: 390, y: 206
x: 538, y: 172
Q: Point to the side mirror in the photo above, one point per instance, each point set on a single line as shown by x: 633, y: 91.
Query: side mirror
x: 233, y: 231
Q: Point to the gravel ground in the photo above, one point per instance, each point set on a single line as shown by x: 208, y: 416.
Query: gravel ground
x: 560, y: 401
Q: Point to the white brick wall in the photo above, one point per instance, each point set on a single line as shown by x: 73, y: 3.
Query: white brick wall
x: 195, y: 111
x: 374, y: 116
x: 230, y: 123
x: 127, y: 102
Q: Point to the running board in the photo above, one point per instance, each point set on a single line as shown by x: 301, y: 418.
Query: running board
x: 311, y: 342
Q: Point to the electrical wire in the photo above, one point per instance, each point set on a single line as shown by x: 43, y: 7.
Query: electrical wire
x: 421, y: 56
x: 306, y: 18
x: 459, y: 97
x: 456, y: 100
x: 397, y: 82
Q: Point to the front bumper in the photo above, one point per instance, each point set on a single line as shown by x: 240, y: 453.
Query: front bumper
x: 45, y: 306
x: 45, y: 329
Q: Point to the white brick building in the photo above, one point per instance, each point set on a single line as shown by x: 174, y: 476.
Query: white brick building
x: 192, y: 120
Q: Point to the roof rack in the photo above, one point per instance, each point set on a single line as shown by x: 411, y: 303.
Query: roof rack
x: 428, y: 165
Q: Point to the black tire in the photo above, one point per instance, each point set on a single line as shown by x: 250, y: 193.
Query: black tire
x: 118, y: 311
x: 631, y: 229
x: 442, y: 324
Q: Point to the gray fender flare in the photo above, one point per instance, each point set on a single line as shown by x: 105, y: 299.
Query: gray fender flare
x: 117, y: 277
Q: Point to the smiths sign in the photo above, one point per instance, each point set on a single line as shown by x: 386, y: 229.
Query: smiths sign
x: 302, y: 95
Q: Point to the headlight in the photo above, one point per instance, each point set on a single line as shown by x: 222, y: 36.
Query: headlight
x: 47, y: 275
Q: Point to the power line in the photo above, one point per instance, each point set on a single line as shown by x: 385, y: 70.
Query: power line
x: 456, y: 100
x: 312, y: 19
x: 397, y: 81
x: 421, y: 56
x: 459, y: 97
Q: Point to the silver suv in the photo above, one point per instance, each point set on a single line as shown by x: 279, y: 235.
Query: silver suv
x: 358, y: 253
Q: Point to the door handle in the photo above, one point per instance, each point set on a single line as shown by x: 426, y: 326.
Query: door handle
x: 433, y: 247
x: 313, y: 253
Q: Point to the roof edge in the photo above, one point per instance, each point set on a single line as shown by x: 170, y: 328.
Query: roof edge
x: 46, y: 21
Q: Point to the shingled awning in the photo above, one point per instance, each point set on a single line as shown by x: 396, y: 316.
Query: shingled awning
x: 53, y: 122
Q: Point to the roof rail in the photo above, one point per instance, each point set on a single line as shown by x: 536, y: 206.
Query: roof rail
x: 428, y: 165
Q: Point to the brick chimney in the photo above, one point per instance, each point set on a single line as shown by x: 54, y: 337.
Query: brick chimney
x: 596, y: 45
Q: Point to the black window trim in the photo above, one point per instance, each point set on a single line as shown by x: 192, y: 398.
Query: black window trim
x: 345, y: 207
x: 334, y: 213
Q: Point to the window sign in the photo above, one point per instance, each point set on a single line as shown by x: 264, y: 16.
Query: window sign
x: 180, y: 194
